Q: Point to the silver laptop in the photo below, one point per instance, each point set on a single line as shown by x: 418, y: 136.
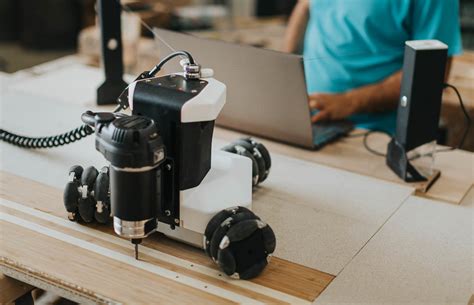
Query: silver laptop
x: 266, y: 90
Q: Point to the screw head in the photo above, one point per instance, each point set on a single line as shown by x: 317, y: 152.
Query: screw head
x: 404, y: 101
x: 167, y: 212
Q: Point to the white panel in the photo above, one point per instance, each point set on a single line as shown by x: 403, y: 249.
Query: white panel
x: 228, y: 183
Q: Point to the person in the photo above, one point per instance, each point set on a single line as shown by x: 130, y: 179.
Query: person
x: 353, y: 52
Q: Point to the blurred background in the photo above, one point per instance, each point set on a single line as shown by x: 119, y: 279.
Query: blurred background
x: 34, y: 32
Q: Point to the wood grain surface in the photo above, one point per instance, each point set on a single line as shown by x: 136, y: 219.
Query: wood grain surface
x: 93, y: 264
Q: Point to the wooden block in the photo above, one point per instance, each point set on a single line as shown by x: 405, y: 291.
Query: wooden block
x: 12, y: 289
x: 92, y: 264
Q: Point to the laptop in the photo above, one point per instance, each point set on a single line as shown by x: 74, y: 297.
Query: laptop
x: 266, y: 90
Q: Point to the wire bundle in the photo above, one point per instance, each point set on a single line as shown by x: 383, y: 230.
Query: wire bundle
x: 46, y: 142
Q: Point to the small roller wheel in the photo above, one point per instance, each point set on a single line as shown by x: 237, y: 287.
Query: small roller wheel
x: 86, y: 208
x: 102, y: 212
x: 263, y: 151
x: 102, y: 184
x: 76, y: 172
x: 88, y: 177
x: 71, y: 198
x: 216, y: 221
x: 260, y: 162
x: 246, y: 248
x: 102, y: 197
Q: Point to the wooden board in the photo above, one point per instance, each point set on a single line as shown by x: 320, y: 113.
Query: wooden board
x: 422, y: 255
x: 91, y: 264
x: 350, y: 154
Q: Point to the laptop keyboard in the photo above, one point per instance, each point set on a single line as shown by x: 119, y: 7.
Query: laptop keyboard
x: 326, y: 132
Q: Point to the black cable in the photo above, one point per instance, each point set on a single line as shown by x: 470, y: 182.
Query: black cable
x: 46, y: 142
x: 366, y: 145
x: 158, y: 67
x: 80, y: 132
x: 50, y: 141
x: 461, y: 142
x: 466, y: 115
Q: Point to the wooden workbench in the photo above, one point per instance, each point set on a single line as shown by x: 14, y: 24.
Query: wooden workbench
x: 90, y: 264
x: 345, y: 210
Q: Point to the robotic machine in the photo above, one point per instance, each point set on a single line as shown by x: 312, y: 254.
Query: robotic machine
x: 164, y: 175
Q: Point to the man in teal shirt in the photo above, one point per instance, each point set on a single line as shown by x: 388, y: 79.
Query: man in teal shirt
x: 353, y: 52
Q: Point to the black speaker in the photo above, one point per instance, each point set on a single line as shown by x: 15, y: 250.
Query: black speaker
x: 419, y: 107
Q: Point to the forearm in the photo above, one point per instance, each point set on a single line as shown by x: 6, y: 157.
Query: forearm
x: 382, y: 96
x: 379, y: 97
x: 296, y: 27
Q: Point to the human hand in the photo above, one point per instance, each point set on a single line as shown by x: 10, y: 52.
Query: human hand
x: 331, y: 106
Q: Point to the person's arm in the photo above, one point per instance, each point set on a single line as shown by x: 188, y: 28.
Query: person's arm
x: 372, y: 98
x: 296, y: 27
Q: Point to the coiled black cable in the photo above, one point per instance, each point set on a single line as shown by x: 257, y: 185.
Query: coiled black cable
x: 80, y: 132
x: 46, y: 142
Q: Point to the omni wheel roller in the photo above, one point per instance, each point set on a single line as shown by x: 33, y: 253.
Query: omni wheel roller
x: 246, y: 248
x: 216, y: 221
x: 263, y: 151
x: 257, y: 157
x: 102, y: 197
x: 224, y: 227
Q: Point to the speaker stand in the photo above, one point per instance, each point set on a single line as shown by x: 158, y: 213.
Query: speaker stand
x: 398, y: 161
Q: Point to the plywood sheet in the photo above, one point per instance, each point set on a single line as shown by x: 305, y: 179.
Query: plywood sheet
x: 457, y: 167
x: 96, y: 265
x: 423, y: 255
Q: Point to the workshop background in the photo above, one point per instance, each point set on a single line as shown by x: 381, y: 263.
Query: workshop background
x: 33, y: 32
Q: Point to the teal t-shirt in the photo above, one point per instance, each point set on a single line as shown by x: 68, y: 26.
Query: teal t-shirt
x: 352, y: 43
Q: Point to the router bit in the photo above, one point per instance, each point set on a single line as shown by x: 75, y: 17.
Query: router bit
x: 136, y: 242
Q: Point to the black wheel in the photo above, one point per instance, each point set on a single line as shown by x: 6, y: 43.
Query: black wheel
x: 265, y: 155
x: 71, y: 197
x: 86, y: 208
x: 257, y: 157
x: 216, y: 221
x: 88, y: 177
x: 261, y: 161
x: 222, y: 229
x: 246, y: 248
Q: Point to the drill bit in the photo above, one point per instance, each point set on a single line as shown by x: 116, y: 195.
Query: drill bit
x: 136, y: 242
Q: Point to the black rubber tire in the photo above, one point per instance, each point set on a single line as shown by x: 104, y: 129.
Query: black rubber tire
x: 246, y: 254
x: 104, y: 216
x: 77, y: 170
x: 88, y: 177
x: 222, y: 229
x: 102, y: 185
x: 71, y: 196
x: 86, y: 208
x: 215, y: 221
x: 257, y: 156
x: 265, y: 154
